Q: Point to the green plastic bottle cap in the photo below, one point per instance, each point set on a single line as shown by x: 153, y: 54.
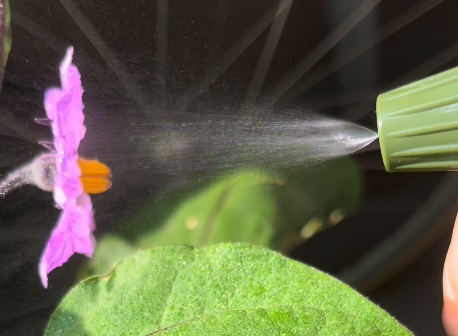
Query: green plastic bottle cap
x: 418, y: 125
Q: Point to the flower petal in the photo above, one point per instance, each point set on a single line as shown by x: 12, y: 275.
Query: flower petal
x: 52, y: 97
x: 65, y: 108
x: 72, y: 234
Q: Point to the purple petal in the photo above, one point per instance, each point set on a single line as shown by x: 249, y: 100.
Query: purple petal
x: 72, y: 234
x: 65, y: 108
x: 52, y: 97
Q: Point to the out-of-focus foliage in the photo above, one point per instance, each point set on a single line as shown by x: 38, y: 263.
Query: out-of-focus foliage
x: 5, y: 35
x: 251, y: 207
x: 109, y: 250
x: 239, y: 208
x: 226, y: 289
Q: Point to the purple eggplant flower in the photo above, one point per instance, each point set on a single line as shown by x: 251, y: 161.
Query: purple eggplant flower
x: 73, y: 232
x: 62, y: 171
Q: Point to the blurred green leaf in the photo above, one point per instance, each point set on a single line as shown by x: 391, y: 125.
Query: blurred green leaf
x: 5, y: 35
x: 109, y: 250
x: 239, y: 208
x: 318, y: 197
x: 6, y: 31
x: 252, y: 207
x: 218, y: 290
x: 260, y: 208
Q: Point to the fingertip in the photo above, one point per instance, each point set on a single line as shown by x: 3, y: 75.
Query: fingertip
x: 450, y: 287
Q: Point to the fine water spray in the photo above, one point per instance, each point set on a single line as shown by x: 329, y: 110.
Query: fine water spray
x: 417, y: 128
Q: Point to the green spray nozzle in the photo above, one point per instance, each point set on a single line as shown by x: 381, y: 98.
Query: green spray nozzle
x: 418, y: 124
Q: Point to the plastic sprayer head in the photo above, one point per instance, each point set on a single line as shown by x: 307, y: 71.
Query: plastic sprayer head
x: 418, y: 125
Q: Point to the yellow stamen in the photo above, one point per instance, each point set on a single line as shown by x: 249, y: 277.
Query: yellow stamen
x: 92, y: 167
x: 95, y: 176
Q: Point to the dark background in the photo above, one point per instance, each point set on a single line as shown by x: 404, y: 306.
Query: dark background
x: 146, y: 60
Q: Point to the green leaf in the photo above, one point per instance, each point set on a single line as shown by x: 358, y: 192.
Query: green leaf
x: 6, y: 32
x: 258, y: 207
x: 239, y: 208
x: 109, y: 250
x: 251, y: 207
x: 218, y: 290
x: 319, y: 197
x: 5, y: 35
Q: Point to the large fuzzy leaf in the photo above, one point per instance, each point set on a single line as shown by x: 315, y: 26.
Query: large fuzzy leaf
x: 218, y: 290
